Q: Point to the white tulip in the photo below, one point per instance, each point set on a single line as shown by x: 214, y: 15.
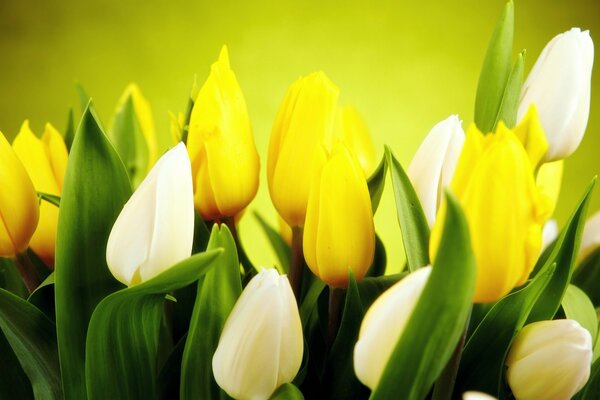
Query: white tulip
x: 590, y: 240
x: 549, y: 360
x: 549, y: 234
x: 383, y: 325
x: 433, y: 165
x: 155, y: 229
x: 472, y: 395
x: 559, y: 85
x: 261, y: 344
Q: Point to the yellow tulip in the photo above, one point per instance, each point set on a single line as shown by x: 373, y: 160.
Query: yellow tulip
x: 45, y: 161
x: 494, y: 182
x: 19, y: 209
x: 225, y: 162
x: 352, y: 129
x: 339, y: 232
x: 296, y: 149
x: 549, y: 180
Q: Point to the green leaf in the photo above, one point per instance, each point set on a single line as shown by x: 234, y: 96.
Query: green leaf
x: 512, y: 93
x: 587, y: 277
x: 439, y: 317
x: 32, y: 337
x: 493, y: 336
x: 95, y: 189
x: 282, y: 249
x: 84, y: 98
x: 339, y: 375
x: 168, y: 378
x: 126, y: 135
x: 287, y: 391
x: 495, y: 71
x: 217, y: 293
x: 371, y: 288
x: 14, y: 383
x: 579, y: 307
x: 43, y: 297
x: 50, y: 198
x: 122, y: 342
x: 70, y: 129
x: 10, y: 279
x: 309, y: 302
x: 414, y: 227
x: 376, y: 183
x: 201, y: 234
x: 564, y: 254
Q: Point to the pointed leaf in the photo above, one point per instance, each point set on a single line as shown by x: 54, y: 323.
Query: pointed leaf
x: 287, y: 391
x: 579, y: 307
x: 376, y: 183
x: 281, y: 248
x: 70, y: 130
x: 512, y: 94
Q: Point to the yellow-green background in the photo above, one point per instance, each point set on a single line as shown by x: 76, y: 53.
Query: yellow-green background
x: 405, y: 65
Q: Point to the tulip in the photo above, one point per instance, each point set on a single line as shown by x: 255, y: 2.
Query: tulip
x: 156, y: 226
x: 261, y: 344
x: 383, y: 325
x: 352, y: 129
x: 225, y: 163
x: 19, y: 209
x: 471, y: 395
x: 549, y: 360
x: 432, y: 167
x: 296, y: 148
x: 559, y: 85
x: 549, y: 181
x: 505, y: 210
x: 549, y: 233
x: 339, y: 232
x: 45, y: 160
x: 590, y: 240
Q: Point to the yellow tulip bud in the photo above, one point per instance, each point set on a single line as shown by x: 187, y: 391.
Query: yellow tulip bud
x: 352, y: 129
x: 495, y: 185
x: 225, y: 162
x: 19, y: 209
x: 45, y: 160
x: 339, y: 232
x: 549, y: 180
x: 296, y: 153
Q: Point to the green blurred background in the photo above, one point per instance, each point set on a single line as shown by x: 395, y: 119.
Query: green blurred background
x: 404, y: 65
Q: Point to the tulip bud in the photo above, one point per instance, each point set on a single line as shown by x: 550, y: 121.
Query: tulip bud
x: 19, y: 209
x: 432, y: 167
x: 261, y: 344
x: 549, y: 360
x: 155, y: 229
x: 590, y: 240
x: 225, y: 163
x: 352, y: 129
x: 339, y: 233
x: 471, y: 395
x: 494, y: 171
x: 549, y: 181
x: 45, y: 160
x: 559, y: 85
x: 296, y: 149
x: 383, y: 325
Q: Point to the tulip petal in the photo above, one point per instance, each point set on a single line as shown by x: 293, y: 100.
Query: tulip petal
x: 56, y: 151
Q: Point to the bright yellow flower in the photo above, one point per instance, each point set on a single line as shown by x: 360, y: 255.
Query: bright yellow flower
x: 549, y: 180
x: 19, y: 209
x: 45, y: 161
x: 225, y: 163
x: 352, y: 129
x: 494, y: 182
x: 339, y: 232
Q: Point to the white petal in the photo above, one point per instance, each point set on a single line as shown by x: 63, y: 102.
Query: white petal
x: 477, y: 396
x: 549, y: 233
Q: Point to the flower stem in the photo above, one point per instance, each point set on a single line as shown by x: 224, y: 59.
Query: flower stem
x: 27, y: 271
x: 336, y: 304
x: 297, y: 263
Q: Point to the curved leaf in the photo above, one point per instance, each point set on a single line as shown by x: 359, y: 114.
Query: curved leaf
x: 512, y: 93
x: 14, y: 383
x: 587, y: 277
x: 579, y: 307
x: 287, y: 391
x: 376, y: 183
x: 282, y: 249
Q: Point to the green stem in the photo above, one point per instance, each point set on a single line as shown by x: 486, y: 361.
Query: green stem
x: 27, y: 271
x: 186, y: 121
x: 297, y: 263
x: 336, y: 304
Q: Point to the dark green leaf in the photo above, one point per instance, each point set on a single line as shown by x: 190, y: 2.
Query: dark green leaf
x: 439, y: 317
x: 168, y: 377
x: 379, y: 264
x: 495, y: 71
x: 309, y: 301
x: 414, y: 227
x: 10, y: 279
x: 587, y: 277
x: 512, y: 93
x: 287, y: 391
x: 579, y: 307
x: 95, y: 189
x: 371, y: 288
x: 122, y: 342
x: 70, y: 130
x: 50, y: 198
x: 217, y: 293
x: 201, y: 234
x: 282, y: 249
x: 376, y: 183
x: 43, y: 297
x: 14, y: 384
x: 32, y: 337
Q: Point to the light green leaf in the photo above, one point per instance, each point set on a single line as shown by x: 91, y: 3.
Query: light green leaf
x: 123, y: 338
x: 439, y: 318
x: 32, y: 337
x: 95, y: 189
x: 495, y: 71
x: 579, y: 307
x: 281, y: 248
x: 512, y: 93
x: 376, y: 183
x: 287, y: 391
x: 217, y: 293
x: 414, y: 227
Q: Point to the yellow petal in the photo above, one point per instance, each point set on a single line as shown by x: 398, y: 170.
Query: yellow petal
x: 470, y: 154
x: 549, y: 180
x: 352, y: 129
x: 56, y: 151
x: 531, y: 133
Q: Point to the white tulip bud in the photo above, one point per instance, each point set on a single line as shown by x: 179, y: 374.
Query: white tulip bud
x: 155, y: 229
x: 471, y: 395
x: 549, y: 234
x: 559, y: 85
x: 383, y: 325
x: 261, y: 344
x: 590, y: 240
x: 549, y: 360
x: 432, y: 167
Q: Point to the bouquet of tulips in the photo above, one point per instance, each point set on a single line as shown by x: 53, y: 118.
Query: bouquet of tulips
x: 123, y: 276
